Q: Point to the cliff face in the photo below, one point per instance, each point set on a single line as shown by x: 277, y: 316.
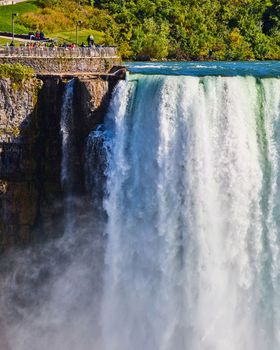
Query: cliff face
x: 31, y: 194
x: 17, y: 103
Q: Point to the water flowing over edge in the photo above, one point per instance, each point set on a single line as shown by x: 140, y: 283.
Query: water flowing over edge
x: 192, y: 256
x: 188, y: 168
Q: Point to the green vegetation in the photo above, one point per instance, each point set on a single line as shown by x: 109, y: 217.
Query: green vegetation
x: 16, y: 72
x: 54, y: 22
x: 6, y: 16
x: 160, y: 29
x: 70, y: 36
x: 4, y: 41
x: 191, y: 29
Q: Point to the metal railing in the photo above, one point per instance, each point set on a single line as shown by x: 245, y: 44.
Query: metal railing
x: 58, y: 52
x: 6, y: 2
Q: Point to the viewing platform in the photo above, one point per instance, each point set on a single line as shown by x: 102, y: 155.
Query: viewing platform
x: 59, y: 52
x: 58, y: 60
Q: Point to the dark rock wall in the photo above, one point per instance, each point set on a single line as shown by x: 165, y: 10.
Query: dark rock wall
x: 31, y: 195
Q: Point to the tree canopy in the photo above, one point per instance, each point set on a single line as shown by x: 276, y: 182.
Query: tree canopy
x: 180, y: 29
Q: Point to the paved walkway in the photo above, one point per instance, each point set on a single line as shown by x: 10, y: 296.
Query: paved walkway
x: 10, y: 2
x: 10, y: 39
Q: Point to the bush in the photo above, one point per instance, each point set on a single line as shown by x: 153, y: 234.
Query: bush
x: 16, y: 72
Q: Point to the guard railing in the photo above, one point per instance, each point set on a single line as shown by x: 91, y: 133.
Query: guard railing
x: 58, y: 52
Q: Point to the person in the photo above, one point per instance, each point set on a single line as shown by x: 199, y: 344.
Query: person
x: 64, y: 45
x: 42, y: 35
x: 31, y: 36
x: 90, y: 40
x: 12, y: 43
x: 37, y: 35
x: 83, y: 44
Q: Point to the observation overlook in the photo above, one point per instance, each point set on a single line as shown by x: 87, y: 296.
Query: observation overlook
x: 65, y: 62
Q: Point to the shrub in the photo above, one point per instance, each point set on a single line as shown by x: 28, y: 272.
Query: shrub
x: 16, y: 72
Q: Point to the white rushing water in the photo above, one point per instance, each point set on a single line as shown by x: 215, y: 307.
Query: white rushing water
x: 191, y: 172
x: 66, y: 129
x: 192, y: 260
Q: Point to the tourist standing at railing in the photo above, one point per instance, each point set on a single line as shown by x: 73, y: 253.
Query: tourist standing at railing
x: 31, y: 35
x: 90, y: 40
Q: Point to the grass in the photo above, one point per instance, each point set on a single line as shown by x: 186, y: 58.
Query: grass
x: 6, y: 16
x: 8, y: 40
x: 31, y: 6
x: 70, y: 36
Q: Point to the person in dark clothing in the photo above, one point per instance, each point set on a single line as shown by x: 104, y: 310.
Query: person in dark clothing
x: 90, y: 40
x: 31, y: 35
x: 42, y: 36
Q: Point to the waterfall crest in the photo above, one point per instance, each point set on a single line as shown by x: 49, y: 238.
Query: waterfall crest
x: 192, y: 259
x: 178, y: 248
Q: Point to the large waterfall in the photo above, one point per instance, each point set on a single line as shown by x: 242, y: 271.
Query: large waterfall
x: 192, y: 260
x: 187, y: 256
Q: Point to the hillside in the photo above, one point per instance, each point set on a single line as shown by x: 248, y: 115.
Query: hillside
x: 6, y: 15
x: 33, y: 16
x: 178, y: 29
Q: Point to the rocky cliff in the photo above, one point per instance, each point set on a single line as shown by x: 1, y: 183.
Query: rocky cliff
x: 31, y: 194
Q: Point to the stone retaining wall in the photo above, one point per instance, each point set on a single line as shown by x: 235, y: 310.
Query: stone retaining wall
x: 65, y: 64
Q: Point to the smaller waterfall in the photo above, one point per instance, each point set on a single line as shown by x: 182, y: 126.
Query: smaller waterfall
x: 98, y: 152
x: 66, y: 127
x: 68, y: 154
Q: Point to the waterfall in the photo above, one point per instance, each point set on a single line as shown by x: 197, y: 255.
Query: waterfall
x: 193, y: 206
x: 66, y: 128
x: 181, y: 248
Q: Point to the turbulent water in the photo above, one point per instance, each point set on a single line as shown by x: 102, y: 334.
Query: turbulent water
x: 192, y: 226
x: 192, y: 260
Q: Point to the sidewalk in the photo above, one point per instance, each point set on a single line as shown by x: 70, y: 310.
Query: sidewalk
x: 10, y: 39
x: 10, y: 2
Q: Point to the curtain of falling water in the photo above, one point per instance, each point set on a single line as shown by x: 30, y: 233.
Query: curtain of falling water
x: 66, y: 127
x: 193, y: 205
x: 192, y: 201
x: 68, y: 155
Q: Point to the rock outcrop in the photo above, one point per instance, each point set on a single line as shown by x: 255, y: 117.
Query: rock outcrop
x: 31, y: 195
